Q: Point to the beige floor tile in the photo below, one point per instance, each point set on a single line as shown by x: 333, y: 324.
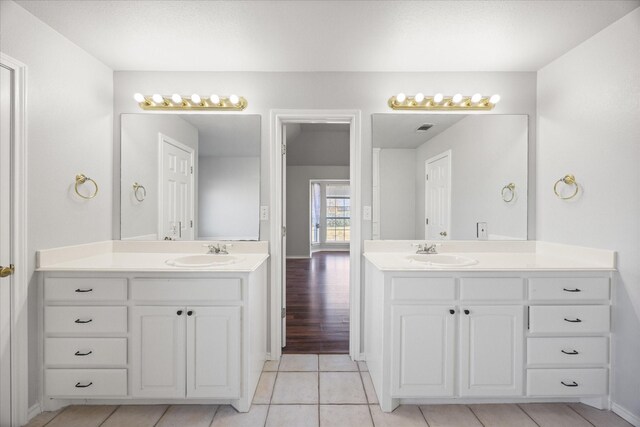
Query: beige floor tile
x: 227, y: 416
x: 599, y: 418
x: 362, y: 366
x: 337, y: 362
x: 83, y: 416
x: 135, y: 415
x: 403, y: 416
x: 299, y: 362
x: 271, y: 365
x: 554, y: 414
x: 502, y: 416
x: 341, y: 387
x: 368, y: 387
x: 265, y: 388
x: 296, y: 387
x: 42, y: 418
x: 345, y: 415
x: 449, y: 416
x: 292, y: 416
x: 188, y: 415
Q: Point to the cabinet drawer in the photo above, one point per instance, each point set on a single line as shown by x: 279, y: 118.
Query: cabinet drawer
x: 419, y: 288
x: 567, y: 351
x: 85, y: 289
x: 567, y: 382
x: 97, y: 382
x: 569, y: 319
x: 85, y: 351
x: 85, y: 320
x: 569, y: 288
x: 491, y: 288
x: 187, y: 289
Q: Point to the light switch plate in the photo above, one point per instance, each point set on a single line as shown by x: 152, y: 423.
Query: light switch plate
x: 264, y: 213
x: 482, y: 232
x: 366, y: 213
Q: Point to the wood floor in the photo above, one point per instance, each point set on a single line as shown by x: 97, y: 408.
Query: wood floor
x: 318, y: 304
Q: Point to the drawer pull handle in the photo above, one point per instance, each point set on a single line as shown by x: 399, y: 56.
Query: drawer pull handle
x: 569, y: 352
x: 80, y: 385
x: 576, y: 320
x: 83, y: 321
x: 83, y: 354
x: 572, y: 290
x: 452, y: 311
x: 574, y: 384
x: 84, y: 290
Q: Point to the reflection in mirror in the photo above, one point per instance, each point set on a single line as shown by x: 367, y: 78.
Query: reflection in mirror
x: 449, y: 176
x: 190, y: 177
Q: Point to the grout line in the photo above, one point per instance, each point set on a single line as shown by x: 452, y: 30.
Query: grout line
x: 580, y: 415
x: 424, y: 417
x: 366, y: 396
x: 214, y: 414
x: 60, y: 411
x: 110, y: 414
x: 527, y: 414
x: 475, y: 415
x: 162, y: 416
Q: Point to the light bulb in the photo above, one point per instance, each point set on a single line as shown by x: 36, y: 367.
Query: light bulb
x: 157, y: 98
x: 234, y: 99
x: 195, y: 98
x: 176, y: 99
x: 457, y: 98
x: 476, y: 98
x: 494, y: 99
x: 214, y: 99
x: 139, y: 97
x: 438, y: 98
x: 419, y: 97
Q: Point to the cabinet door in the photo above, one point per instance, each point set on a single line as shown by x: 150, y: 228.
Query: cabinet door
x: 422, y: 361
x: 213, y: 352
x: 158, y: 340
x: 491, y: 350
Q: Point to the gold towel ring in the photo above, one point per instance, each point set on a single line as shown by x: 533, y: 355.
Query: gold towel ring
x: 137, y: 195
x: 568, y: 180
x: 81, y: 179
x: 511, y: 187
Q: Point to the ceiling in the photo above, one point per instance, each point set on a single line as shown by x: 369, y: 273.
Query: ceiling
x: 399, y: 130
x: 498, y: 35
x: 226, y: 135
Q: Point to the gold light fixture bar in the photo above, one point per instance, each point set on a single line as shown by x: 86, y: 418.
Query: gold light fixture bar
x: 193, y: 102
x: 438, y: 101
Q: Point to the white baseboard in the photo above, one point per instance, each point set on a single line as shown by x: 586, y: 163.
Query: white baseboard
x: 33, y: 411
x: 632, y: 418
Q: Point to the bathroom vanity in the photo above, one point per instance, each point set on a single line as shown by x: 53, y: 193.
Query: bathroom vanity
x: 488, y: 322
x: 149, y: 322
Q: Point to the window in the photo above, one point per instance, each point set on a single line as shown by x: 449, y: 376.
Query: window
x: 330, y: 212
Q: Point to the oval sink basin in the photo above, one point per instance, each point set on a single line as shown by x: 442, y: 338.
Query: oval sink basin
x: 207, y: 260
x: 443, y: 260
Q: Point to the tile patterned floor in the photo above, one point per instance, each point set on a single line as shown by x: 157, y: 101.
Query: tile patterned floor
x: 327, y: 391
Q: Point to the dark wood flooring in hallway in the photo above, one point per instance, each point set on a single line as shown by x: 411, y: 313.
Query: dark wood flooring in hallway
x: 318, y: 304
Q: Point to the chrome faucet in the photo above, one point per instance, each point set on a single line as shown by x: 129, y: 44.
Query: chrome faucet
x: 217, y: 249
x: 427, y: 249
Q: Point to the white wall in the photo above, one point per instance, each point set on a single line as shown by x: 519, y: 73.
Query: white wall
x: 589, y: 125
x: 298, y: 203
x: 228, y: 198
x: 487, y: 153
x: 139, y: 163
x: 69, y: 131
x: 397, y: 173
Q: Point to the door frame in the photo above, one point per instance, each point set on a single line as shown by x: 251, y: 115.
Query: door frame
x: 162, y: 138
x: 279, y: 118
x: 19, y: 300
x: 437, y: 157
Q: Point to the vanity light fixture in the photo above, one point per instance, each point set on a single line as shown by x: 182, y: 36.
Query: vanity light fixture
x: 193, y: 102
x: 438, y: 101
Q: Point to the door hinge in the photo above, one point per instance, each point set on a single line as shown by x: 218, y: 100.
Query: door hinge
x: 427, y: 220
x: 284, y: 312
x: 284, y: 231
x: 191, y: 223
x: 284, y: 149
x: 528, y: 315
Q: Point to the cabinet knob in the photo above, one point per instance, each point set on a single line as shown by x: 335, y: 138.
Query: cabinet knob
x: 179, y: 312
x: 452, y: 311
x: 467, y: 312
x: 189, y: 313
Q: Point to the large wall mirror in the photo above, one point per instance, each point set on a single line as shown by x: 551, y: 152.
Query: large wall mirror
x: 190, y: 177
x: 450, y: 176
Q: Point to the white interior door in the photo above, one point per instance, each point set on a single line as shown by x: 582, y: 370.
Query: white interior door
x: 284, y: 235
x: 176, y: 190
x: 438, y: 197
x: 6, y: 284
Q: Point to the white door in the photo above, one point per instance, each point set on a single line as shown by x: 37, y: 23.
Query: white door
x: 284, y: 236
x: 491, y: 350
x: 213, y: 352
x: 6, y: 283
x: 423, y: 343
x: 158, y: 339
x: 438, y: 197
x: 176, y: 190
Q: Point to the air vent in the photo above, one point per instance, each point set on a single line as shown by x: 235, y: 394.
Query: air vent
x: 425, y: 127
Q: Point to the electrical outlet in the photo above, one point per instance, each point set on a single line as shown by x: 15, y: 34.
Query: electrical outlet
x: 482, y: 232
x: 264, y: 213
x: 366, y: 213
